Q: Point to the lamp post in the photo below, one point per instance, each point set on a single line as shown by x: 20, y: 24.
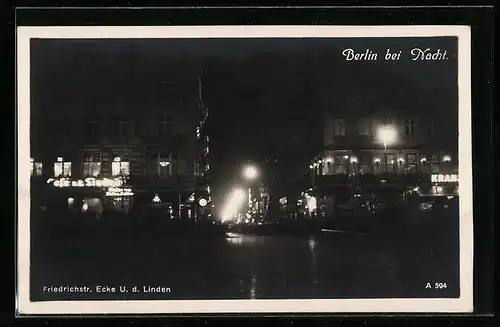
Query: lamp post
x: 387, y: 136
x: 122, y: 177
x: 250, y: 173
x: 313, y: 173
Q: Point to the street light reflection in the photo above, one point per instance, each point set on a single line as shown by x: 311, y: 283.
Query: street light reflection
x: 240, y: 239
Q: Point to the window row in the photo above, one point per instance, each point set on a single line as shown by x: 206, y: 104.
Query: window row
x: 159, y: 165
x: 124, y: 128
x: 90, y: 167
x: 343, y: 163
x: 368, y: 127
x: 119, y: 127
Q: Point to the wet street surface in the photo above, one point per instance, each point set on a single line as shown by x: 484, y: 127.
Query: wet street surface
x: 235, y: 266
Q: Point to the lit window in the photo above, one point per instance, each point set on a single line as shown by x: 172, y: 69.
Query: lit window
x: 91, y: 166
x: 36, y: 168
x: 207, y: 150
x: 339, y: 163
x: 120, y: 167
x: 197, y: 169
x: 164, y: 167
x: 62, y: 168
x: 198, y: 132
x: 412, y: 162
x: 390, y: 163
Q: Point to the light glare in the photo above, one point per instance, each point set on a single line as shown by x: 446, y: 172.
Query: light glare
x: 387, y: 135
x: 203, y: 202
x: 234, y: 202
x: 250, y: 172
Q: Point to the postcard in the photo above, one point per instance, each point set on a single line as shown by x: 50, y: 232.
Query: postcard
x: 244, y: 169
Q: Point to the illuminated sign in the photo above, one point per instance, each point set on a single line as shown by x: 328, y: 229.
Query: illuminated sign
x: 156, y: 199
x: 88, y: 182
x: 444, y: 178
x: 202, y: 202
x: 114, y: 191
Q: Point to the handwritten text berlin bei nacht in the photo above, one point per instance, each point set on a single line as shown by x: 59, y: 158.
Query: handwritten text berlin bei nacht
x: 416, y: 54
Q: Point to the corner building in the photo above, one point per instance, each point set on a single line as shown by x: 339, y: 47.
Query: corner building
x: 367, y: 145
x: 155, y: 156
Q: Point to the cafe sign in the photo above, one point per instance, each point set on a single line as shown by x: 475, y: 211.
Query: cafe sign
x: 119, y: 192
x: 444, y: 178
x: 88, y: 182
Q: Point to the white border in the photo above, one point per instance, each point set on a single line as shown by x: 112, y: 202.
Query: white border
x: 463, y: 304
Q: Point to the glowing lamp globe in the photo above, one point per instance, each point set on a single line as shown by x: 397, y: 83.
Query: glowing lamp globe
x: 387, y: 135
x: 250, y: 172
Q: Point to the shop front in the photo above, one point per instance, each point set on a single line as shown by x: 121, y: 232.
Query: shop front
x: 441, y: 185
x: 166, y: 203
x: 90, y: 195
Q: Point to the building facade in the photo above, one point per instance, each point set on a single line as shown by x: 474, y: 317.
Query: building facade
x: 410, y: 152
x: 134, y: 158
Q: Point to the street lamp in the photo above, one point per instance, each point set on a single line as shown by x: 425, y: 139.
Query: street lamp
x: 387, y: 135
x: 250, y: 172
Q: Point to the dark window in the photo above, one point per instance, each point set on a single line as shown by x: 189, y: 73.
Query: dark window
x: 338, y: 127
x: 409, y: 127
x: 93, y: 129
x: 365, y: 127
x: 434, y: 129
x: 123, y: 128
x: 65, y: 127
x: 165, y: 124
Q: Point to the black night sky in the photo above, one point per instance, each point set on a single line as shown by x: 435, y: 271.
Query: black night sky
x: 265, y: 95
